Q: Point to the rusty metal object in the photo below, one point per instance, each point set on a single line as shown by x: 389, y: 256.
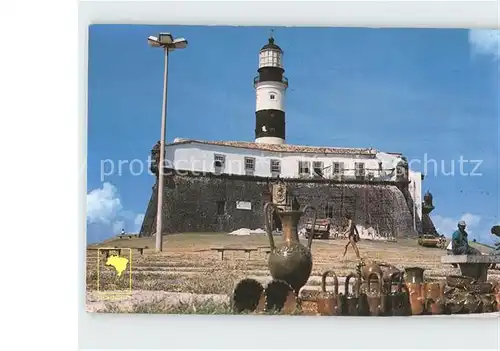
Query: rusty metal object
x: 248, y: 295
x: 308, y: 302
x: 495, y: 286
x: 355, y: 302
x: 376, y: 298
x: 291, y: 261
x: 459, y: 281
x: 480, y: 288
x: 280, y: 297
x: 414, y: 275
x: 390, y: 272
x: 497, y: 299
x: 399, y: 299
x: 365, y: 269
x: 417, y: 298
x: 351, y: 299
x: 329, y: 303
x: 308, y: 308
x: 496, y: 293
x: 454, y: 303
x: 469, y: 296
x: 489, y: 303
x: 434, y: 298
x: 460, y: 301
x: 472, y: 303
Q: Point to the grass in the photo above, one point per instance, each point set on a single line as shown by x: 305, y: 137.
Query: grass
x: 160, y: 306
x: 209, y: 282
x: 198, y: 307
x: 188, y: 266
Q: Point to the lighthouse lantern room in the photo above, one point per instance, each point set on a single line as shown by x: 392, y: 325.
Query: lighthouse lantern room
x: 270, y: 86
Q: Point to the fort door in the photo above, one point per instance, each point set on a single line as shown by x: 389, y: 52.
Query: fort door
x: 276, y: 221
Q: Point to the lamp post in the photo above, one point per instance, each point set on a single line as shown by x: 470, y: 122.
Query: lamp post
x: 414, y: 206
x: 168, y: 44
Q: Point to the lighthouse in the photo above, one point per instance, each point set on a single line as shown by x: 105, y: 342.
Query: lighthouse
x: 226, y: 177
x: 270, y: 87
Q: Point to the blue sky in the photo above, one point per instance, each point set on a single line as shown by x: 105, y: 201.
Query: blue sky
x: 428, y: 93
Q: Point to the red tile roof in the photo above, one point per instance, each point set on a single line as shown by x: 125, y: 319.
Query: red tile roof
x: 283, y: 147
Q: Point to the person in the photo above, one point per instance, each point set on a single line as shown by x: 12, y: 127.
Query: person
x: 460, y: 242
x: 123, y: 231
x: 353, y: 236
x: 449, y: 251
x: 449, y: 248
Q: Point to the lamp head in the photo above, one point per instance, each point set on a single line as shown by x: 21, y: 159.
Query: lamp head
x: 165, y: 38
x: 180, y: 43
x: 153, y: 41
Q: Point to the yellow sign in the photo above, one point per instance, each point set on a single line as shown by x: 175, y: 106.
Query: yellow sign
x: 120, y: 265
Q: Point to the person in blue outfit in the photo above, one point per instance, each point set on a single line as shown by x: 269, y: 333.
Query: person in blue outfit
x: 460, y: 242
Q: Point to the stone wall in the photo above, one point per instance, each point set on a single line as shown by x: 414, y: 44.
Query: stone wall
x: 208, y: 204
x: 428, y: 226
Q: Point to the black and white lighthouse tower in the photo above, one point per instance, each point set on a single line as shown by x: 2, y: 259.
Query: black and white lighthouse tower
x: 270, y: 86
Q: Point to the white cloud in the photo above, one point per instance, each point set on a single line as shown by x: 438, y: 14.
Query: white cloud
x: 138, y: 222
x: 104, y: 207
x: 485, y: 42
x: 444, y: 225
x: 471, y: 220
x: 447, y: 225
x: 103, y: 204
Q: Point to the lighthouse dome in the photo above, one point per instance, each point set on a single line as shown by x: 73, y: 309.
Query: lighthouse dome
x: 271, y: 46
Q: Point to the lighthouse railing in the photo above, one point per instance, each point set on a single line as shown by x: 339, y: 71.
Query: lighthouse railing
x: 257, y: 80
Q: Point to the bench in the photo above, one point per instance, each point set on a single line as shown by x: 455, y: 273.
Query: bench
x: 475, y: 266
x: 140, y: 249
x: 223, y: 249
x: 107, y: 250
x: 128, y: 236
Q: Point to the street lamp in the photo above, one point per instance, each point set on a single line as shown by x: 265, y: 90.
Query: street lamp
x: 168, y: 44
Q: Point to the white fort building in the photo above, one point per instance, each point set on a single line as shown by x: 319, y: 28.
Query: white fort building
x: 223, y: 185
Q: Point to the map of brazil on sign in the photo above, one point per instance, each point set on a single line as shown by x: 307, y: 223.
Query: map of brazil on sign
x: 114, y: 271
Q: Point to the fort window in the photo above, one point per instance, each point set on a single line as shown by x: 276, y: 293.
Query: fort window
x: 272, y: 96
x: 275, y: 167
x: 338, y: 168
x: 304, y: 168
x: 219, y: 161
x: 249, y: 164
x: 329, y: 211
x: 221, y: 207
x: 359, y: 169
x: 318, y: 169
